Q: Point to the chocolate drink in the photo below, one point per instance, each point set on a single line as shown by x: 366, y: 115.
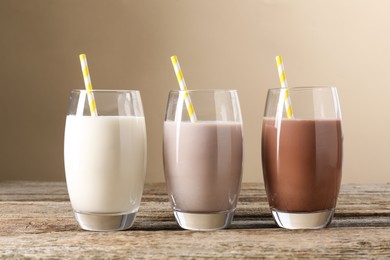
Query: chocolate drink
x: 302, y: 166
x: 203, y: 165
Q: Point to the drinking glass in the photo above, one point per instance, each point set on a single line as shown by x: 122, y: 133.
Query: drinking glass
x: 105, y: 158
x: 302, y: 155
x: 203, y: 157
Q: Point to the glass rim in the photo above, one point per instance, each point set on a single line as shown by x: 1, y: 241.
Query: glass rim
x: 104, y: 90
x: 298, y: 88
x: 203, y: 90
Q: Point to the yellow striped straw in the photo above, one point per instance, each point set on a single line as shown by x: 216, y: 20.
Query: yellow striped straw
x: 88, y: 84
x: 284, y: 85
x: 183, y: 86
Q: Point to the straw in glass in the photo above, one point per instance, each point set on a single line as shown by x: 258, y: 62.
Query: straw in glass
x: 284, y: 85
x: 88, y: 84
x: 183, y: 86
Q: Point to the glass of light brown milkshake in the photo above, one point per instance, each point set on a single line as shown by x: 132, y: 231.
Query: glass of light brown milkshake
x: 302, y: 155
x: 203, y: 157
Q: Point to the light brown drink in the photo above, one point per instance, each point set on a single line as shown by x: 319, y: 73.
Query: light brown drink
x: 203, y: 165
x: 302, y: 164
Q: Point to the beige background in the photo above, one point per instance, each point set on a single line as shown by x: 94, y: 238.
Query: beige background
x: 220, y: 44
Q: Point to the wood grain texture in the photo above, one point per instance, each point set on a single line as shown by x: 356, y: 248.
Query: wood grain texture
x: 36, y: 221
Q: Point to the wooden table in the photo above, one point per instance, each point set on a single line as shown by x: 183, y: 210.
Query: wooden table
x: 36, y: 221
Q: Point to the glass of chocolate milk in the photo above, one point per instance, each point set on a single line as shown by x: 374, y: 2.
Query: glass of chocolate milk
x: 203, y: 157
x: 302, y: 155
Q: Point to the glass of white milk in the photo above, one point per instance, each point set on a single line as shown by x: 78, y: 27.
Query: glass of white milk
x: 105, y: 158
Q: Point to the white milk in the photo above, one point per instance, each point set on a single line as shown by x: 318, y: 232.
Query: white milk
x: 105, y: 161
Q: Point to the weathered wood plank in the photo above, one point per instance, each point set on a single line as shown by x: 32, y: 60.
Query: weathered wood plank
x: 230, y: 243
x: 36, y: 221
x: 33, y: 191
